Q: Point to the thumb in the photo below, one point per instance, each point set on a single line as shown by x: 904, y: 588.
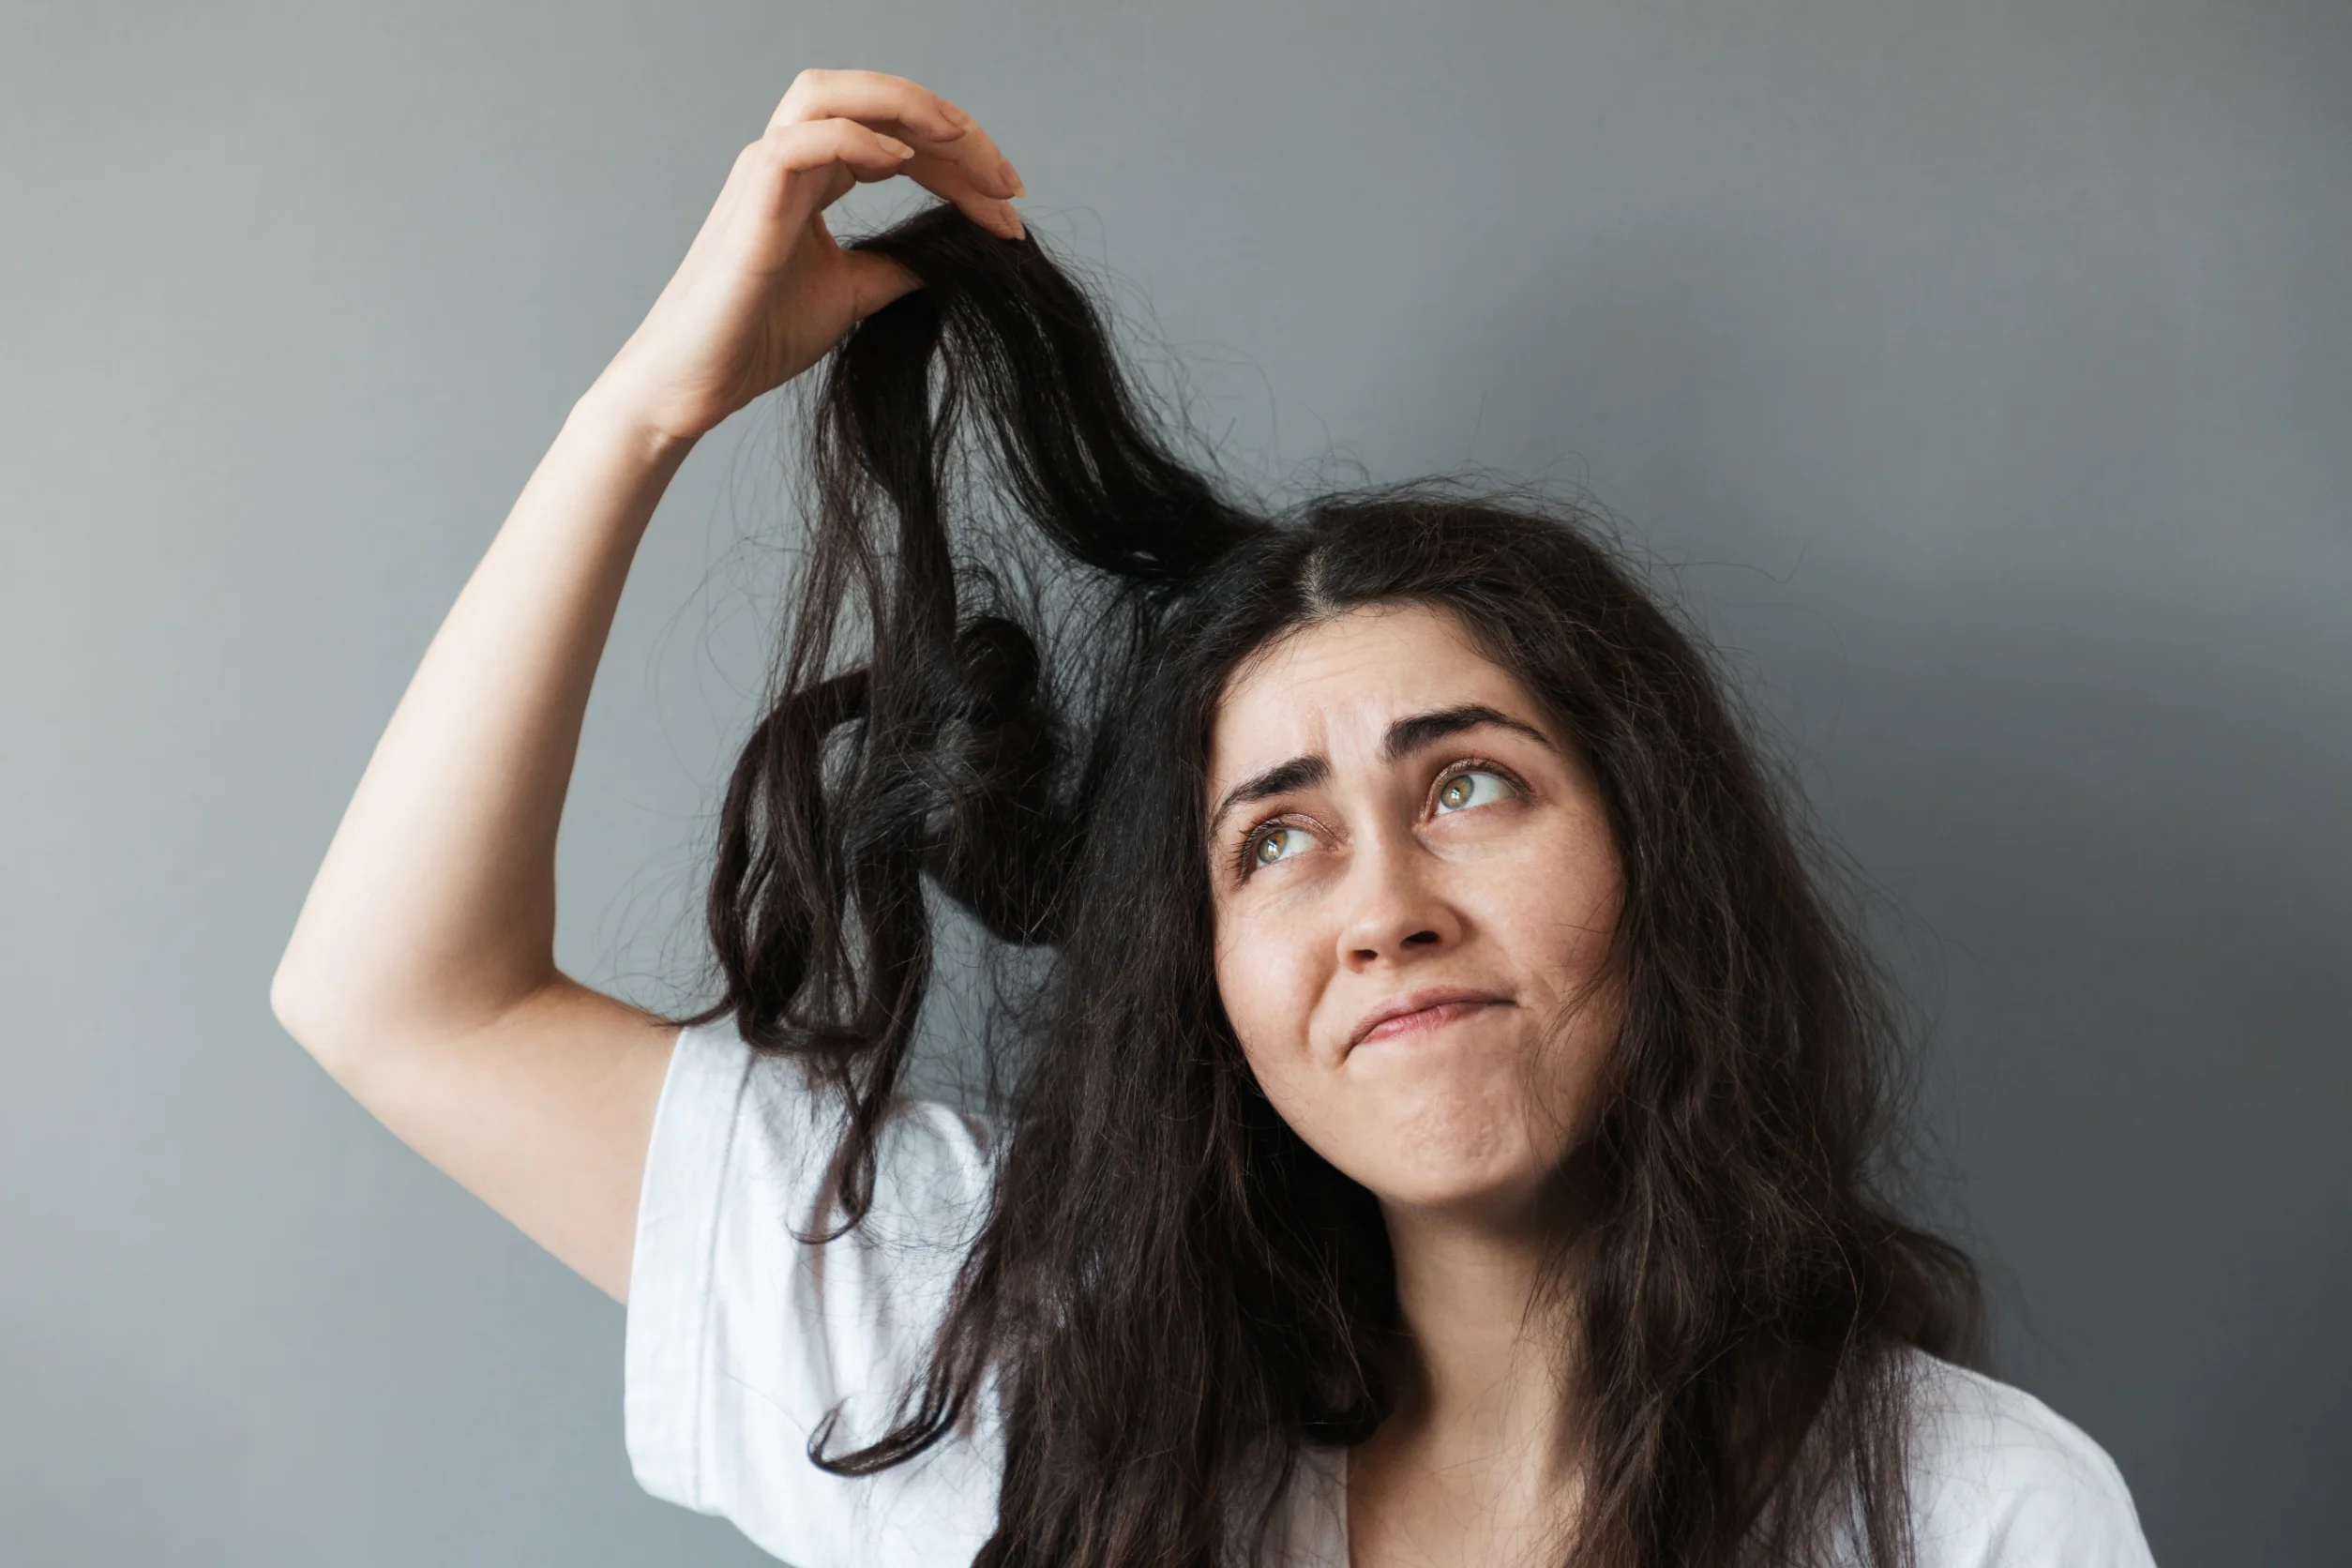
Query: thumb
x: 875, y: 282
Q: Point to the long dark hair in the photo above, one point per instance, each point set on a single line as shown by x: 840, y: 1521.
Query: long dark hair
x: 1174, y: 1292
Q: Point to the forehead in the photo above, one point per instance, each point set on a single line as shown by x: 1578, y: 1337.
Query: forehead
x: 1331, y: 688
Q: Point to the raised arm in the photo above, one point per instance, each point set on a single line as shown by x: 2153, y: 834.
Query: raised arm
x: 421, y: 973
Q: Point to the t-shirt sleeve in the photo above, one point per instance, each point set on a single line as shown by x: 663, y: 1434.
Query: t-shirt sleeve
x: 1999, y: 1480
x: 741, y: 1337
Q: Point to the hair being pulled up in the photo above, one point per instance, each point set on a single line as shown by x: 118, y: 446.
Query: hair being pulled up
x: 1175, y: 1292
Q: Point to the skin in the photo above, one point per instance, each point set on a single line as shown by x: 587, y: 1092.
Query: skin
x: 1471, y: 877
x: 421, y: 973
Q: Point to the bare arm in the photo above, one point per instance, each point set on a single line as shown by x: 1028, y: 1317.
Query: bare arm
x: 421, y: 972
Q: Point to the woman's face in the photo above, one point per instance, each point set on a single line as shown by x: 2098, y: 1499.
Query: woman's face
x: 1413, y: 876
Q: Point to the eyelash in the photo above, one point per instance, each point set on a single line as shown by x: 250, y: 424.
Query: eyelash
x: 1245, y: 851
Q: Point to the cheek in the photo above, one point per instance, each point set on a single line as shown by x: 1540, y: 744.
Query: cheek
x: 1262, y: 976
x: 1561, y: 918
x: 1270, y: 971
x: 1552, y: 907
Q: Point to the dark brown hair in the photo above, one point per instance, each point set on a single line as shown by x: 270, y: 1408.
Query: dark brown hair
x: 1174, y: 1292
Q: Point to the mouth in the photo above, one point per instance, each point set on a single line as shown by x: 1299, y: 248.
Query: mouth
x: 1420, y: 1012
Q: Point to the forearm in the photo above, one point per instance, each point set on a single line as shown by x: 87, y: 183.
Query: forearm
x: 435, y: 907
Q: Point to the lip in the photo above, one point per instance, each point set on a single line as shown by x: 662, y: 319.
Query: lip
x: 1420, y: 1010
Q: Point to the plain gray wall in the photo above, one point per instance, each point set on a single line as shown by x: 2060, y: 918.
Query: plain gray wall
x: 1984, y: 370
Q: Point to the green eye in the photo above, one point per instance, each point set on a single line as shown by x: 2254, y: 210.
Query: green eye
x: 1277, y: 844
x: 1466, y: 790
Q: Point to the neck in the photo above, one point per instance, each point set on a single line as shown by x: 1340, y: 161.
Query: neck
x: 1482, y: 1397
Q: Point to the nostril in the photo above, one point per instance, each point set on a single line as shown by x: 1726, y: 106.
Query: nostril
x: 1424, y: 937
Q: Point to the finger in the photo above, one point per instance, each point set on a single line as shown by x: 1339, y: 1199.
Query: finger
x: 973, y: 175
x: 895, y: 104
x: 851, y: 153
x: 875, y: 282
x: 870, y: 95
x: 948, y: 179
x: 975, y: 152
x: 822, y: 143
x: 951, y: 176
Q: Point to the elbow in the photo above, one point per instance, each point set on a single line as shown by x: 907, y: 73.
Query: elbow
x: 296, y: 1002
x: 321, y: 1013
x: 344, y: 1010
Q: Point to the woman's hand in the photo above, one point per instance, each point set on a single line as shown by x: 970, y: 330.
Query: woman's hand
x: 765, y: 291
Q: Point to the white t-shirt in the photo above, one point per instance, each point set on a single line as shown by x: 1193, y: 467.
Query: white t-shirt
x: 740, y: 1339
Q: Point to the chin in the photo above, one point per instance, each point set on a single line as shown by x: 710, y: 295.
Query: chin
x: 1432, y: 1149
x: 1485, y: 1203
x: 1479, y: 1181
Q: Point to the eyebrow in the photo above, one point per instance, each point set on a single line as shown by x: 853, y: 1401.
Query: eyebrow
x: 1409, y: 734
x: 1297, y: 773
x: 1405, y: 736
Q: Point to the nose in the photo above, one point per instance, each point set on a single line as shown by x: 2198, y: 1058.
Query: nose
x: 1397, y: 909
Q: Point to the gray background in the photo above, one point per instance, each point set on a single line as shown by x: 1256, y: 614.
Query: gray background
x: 1982, y: 371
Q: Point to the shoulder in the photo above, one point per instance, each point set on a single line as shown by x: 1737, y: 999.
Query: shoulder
x: 741, y: 1161
x: 750, y: 1327
x: 1998, y: 1478
x: 723, y: 1101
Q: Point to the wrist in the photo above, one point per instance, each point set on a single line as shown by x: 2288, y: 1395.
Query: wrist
x: 615, y: 413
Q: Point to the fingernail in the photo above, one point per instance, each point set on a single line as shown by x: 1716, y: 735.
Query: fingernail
x: 955, y: 116
x: 1013, y: 174
x: 897, y: 148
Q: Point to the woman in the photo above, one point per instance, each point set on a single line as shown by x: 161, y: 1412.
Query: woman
x: 1445, y: 1129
